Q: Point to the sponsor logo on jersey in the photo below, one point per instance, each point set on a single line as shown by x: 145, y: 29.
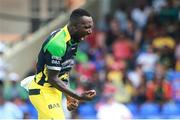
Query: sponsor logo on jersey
x: 56, y: 58
x: 55, y: 105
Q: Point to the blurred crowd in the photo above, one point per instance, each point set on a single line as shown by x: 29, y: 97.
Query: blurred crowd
x: 132, y: 59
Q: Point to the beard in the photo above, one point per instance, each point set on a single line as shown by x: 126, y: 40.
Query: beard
x: 78, y: 37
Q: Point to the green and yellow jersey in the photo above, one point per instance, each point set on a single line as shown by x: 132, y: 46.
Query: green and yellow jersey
x: 57, y: 53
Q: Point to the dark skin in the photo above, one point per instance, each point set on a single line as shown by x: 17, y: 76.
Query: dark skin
x: 81, y: 28
x: 78, y: 29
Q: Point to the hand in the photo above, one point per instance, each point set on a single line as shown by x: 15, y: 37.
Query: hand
x: 72, y: 103
x: 88, y: 95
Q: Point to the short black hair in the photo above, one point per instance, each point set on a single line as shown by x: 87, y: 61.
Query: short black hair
x: 77, y: 13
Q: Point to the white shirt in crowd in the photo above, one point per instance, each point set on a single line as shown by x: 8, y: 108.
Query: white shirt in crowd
x: 10, y: 111
x: 140, y: 16
x: 148, y: 61
x: 114, y: 111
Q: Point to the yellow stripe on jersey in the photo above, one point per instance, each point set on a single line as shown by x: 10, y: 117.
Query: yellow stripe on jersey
x: 45, y: 73
x: 64, y: 76
x: 46, y: 77
x: 38, y: 77
x: 68, y: 36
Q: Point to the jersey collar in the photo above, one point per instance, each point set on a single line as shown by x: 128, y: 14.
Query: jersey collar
x: 68, y: 36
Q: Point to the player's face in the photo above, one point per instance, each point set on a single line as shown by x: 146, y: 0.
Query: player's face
x: 84, y: 27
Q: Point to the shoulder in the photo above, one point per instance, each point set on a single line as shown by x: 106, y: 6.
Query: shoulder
x: 56, y: 46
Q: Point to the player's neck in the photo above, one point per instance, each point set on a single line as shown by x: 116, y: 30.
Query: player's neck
x: 70, y: 29
x: 72, y: 33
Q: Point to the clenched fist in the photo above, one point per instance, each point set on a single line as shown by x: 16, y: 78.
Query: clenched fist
x: 88, y: 95
x: 72, y: 103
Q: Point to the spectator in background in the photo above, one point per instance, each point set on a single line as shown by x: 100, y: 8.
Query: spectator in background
x: 133, y: 33
x: 104, y: 24
x: 9, y: 110
x: 100, y: 39
x: 98, y: 51
x: 124, y: 88
x: 13, y: 88
x: 159, y: 89
x: 112, y: 33
x: 158, y: 4
x: 163, y: 40
x: 114, y: 69
x: 169, y: 13
x: 165, y: 45
x: 16, y: 94
x: 150, y: 31
x: 123, y: 48
x: 140, y: 92
x: 109, y: 108
x: 121, y: 16
x: 148, y: 65
x: 136, y: 76
x: 140, y: 14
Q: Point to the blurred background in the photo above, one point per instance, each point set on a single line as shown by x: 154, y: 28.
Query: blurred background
x: 132, y: 59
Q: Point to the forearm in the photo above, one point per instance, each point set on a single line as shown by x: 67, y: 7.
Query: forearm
x: 58, y: 84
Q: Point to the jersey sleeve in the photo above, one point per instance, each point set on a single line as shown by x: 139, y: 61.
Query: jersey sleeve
x: 54, y: 50
x: 56, y: 45
x: 52, y: 62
